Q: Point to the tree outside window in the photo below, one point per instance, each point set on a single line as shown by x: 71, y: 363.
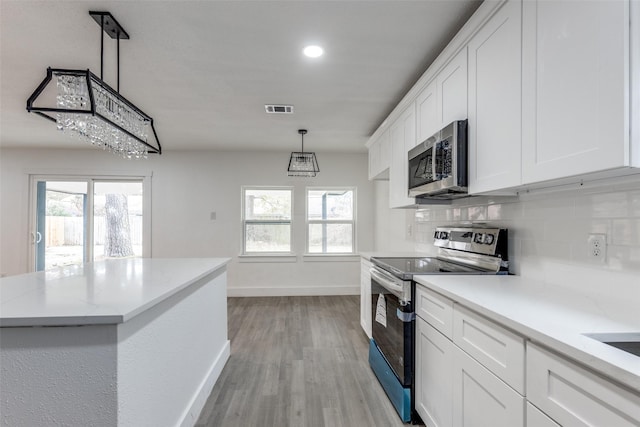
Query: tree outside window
x: 267, y: 214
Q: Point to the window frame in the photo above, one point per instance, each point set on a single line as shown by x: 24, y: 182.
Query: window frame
x: 245, y: 221
x: 353, y: 221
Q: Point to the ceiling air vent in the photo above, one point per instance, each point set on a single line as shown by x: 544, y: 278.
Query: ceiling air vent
x: 278, y: 109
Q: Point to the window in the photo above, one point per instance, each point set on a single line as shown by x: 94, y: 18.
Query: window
x: 267, y: 219
x: 331, y: 224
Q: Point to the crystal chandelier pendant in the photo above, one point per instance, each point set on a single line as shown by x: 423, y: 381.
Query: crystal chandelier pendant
x: 89, y: 109
x: 73, y: 94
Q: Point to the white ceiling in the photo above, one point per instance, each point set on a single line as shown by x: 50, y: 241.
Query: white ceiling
x: 204, y: 69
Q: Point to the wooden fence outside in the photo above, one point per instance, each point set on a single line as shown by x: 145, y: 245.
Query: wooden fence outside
x: 69, y: 231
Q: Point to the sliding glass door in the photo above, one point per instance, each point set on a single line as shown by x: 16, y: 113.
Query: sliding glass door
x: 84, y: 219
x: 61, y: 226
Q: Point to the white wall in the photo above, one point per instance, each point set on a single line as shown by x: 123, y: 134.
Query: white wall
x: 548, y: 233
x: 186, y: 188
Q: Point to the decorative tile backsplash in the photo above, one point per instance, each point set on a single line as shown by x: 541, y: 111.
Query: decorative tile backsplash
x: 549, y: 231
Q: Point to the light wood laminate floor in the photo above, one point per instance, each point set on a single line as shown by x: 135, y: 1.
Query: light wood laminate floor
x: 297, y: 361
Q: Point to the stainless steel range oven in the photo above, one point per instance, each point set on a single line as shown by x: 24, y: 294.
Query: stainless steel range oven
x: 461, y: 250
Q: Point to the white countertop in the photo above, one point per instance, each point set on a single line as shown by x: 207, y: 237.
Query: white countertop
x: 553, y: 316
x: 104, y: 292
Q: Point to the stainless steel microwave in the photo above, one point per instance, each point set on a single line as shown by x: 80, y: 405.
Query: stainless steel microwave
x: 438, y: 166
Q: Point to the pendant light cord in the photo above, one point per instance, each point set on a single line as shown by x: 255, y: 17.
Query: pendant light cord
x: 118, y: 62
x: 101, y: 47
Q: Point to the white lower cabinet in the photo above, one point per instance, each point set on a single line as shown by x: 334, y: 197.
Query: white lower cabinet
x: 454, y: 389
x: 498, y: 349
x: 434, y: 381
x: 536, y: 418
x: 435, y: 309
x: 479, y: 378
x: 573, y: 396
x: 482, y: 399
x: 365, y: 296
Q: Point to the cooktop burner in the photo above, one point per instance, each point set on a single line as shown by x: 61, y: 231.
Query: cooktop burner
x: 405, y: 268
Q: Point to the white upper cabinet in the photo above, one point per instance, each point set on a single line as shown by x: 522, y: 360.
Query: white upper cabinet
x: 379, y: 156
x: 427, y: 113
x: 575, y: 88
x: 403, y: 135
x: 444, y: 99
x: 452, y: 91
x: 495, y: 136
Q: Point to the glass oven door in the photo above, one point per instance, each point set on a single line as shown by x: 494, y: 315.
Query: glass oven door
x: 392, y: 318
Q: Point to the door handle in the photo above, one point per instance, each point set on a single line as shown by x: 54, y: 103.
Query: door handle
x: 38, y: 237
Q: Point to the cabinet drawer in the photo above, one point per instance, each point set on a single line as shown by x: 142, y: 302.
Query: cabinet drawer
x: 537, y: 418
x: 499, y: 350
x: 482, y: 399
x: 435, y: 309
x: 573, y: 396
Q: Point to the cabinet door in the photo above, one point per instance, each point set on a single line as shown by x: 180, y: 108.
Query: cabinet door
x: 374, y: 159
x: 498, y: 349
x: 495, y: 137
x: 480, y: 398
x: 574, y: 396
x: 575, y: 92
x: 403, y: 134
x: 385, y: 155
x: 379, y: 157
x: 365, y: 296
x: 536, y: 418
x: 427, y: 113
x: 452, y: 90
x: 434, y: 375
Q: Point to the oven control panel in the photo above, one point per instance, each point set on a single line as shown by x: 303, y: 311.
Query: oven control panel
x: 487, y: 241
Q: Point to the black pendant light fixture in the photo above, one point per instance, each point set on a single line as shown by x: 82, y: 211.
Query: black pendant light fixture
x: 84, y: 105
x: 302, y: 163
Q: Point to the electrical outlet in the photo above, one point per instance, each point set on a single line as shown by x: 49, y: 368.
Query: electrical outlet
x: 597, y: 246
x: 409, y: 230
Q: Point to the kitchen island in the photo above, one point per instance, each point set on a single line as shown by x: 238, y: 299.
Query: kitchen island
x: 119, y: 342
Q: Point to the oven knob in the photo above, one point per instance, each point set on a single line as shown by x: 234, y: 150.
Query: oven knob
x: 489, y: 239
x: 436, y: 235
x: 478, y: 238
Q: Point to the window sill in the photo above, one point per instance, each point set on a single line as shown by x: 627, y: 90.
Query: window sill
x: 331, y: 258
x: 255, y: 258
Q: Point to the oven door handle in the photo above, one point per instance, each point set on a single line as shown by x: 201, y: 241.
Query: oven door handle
x: 386, y: 282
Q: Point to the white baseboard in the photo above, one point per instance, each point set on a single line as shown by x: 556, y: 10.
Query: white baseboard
x: 199, y: 399
x: 238, y: 291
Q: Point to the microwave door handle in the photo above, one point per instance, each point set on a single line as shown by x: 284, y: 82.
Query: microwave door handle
x: 389, y: 285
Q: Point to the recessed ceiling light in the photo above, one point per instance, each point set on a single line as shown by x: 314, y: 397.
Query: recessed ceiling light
x: 313, y: 51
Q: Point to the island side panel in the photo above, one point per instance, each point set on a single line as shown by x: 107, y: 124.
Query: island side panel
x: 58, y: 376
x: 170, y: 356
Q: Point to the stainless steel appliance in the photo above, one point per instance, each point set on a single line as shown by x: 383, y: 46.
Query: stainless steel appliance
x: 461, y: 250
x: 438, y: 166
